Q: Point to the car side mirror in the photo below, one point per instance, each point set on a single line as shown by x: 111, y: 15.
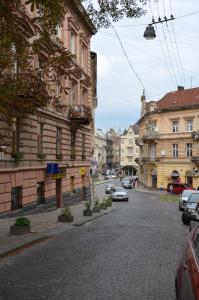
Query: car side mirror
x: 194, y: 217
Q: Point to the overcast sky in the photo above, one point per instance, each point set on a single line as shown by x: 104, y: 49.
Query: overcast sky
x: 162, y: 64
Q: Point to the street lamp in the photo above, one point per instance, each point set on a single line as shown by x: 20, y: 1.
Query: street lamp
x: 149, y: 33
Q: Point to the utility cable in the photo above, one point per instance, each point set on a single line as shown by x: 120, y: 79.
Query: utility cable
x: 162, y: 48
x: 129, y: 62
x: 167, y: 47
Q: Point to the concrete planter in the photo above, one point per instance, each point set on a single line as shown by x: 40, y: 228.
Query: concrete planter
x: 65, y: 218
x: 87, y: 212
x: 19, y: 230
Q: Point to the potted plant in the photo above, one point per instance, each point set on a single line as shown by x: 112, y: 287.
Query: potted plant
x: 109, y: 202
x: 96, y: 207
x: 41, y: 156
x: 87, y: 211
x: 65, y: 215
x: 16, y: 156
x: 22, y: 225
x: 103, y: 204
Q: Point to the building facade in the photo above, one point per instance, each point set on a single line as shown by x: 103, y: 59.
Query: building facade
x: 129, y: 150
x: 100, y: 150
x: 115, y: 138
x: 169, y: 139
x: 46, y: 158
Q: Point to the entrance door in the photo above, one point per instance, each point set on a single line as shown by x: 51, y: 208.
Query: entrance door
x: 154, y: 181
x: 40, y: 192
x: 84, y: 189
x: 58, y: 192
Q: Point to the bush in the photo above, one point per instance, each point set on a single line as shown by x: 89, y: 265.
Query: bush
x: 108, y: 202
x: 88, y: 204
x: 22, y: 221
x: 65, y: 211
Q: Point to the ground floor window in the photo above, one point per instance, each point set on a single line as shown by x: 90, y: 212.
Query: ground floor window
x: 16, y: 198
x: 40, y: 192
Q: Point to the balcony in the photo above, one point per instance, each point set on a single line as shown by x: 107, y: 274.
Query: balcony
x: 150, y: 137
x: 147, y: 159
x: 195, y: 135
x: 80, y: 115
x: 195, y: 159
x: 138, y: 142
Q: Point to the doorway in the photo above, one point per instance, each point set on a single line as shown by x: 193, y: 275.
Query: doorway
x: 58, y: 192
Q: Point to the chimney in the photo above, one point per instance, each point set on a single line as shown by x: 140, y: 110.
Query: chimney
x: 180, y: 88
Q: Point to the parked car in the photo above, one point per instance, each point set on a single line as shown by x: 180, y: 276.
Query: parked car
x: 127, y: 184
x: 190, y: 207
x: 187, y: 274
x: 119, y: 193
x: 184, y: 198
x: 108, y: 188
x: 178, y: 188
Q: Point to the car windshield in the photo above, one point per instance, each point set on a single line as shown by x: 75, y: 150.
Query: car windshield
x: 118, y: 189
x: 125, y: 181
x: 194, y: 198
x: 109, y: 186
x: 187, y: 193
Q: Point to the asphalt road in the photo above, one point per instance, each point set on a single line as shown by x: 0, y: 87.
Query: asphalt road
x: 131, y: 253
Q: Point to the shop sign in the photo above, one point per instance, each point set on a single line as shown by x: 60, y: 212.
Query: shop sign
x: 52, y: 168
x: 82, y: 171
x: 58, y: 175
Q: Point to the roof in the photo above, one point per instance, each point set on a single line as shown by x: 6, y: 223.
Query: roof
x: 178, y: 99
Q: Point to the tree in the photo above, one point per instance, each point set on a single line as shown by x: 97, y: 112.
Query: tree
x: 17, y: 99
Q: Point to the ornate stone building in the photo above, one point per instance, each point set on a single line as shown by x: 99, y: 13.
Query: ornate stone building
x: 169, y: 137
x: 46, y: 159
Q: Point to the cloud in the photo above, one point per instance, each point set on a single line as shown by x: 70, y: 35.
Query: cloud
x: 103, y: 66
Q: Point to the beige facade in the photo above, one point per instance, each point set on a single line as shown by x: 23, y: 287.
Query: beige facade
x: 59, y: 134
x: 169, y: 145
x: 129, y: 151
x: 100, y: 150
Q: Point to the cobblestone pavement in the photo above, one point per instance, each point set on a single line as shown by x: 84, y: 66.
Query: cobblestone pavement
x: 130, y: 254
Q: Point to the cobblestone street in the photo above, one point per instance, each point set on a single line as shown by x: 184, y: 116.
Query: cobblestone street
x: 131, y: 253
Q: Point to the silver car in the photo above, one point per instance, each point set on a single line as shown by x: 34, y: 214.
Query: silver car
x: 127, y: 184
x: 108, y: 188
x: 190, y: 208
x: 184, y: 198
x: 119, y: 193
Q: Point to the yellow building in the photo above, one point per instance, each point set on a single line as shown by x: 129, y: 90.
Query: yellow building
x: 169, y: 139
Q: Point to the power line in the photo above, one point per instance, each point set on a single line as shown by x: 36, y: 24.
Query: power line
x: 129, y: 62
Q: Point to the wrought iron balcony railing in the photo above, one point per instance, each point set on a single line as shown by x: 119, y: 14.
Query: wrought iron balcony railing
x: 195, y: 159
x: 150, y: 137
x: 81, y: 114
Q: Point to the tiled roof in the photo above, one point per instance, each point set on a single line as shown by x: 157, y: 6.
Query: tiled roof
x: 181, y: 98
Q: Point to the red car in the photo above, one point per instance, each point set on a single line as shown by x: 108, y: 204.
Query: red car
x: 187, y: 276
x: 178, y: 188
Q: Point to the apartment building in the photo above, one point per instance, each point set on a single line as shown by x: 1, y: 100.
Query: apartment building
x: 129, y: 150
x: 115, y: 148
x: 46, y: 158
x: 100, y: 150
x: 169, y: 139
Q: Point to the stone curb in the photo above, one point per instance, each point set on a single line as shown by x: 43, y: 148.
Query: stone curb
x: 48, y: 234
x: 93, y: 217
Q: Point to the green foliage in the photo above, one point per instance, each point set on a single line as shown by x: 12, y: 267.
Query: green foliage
x: 88, y: 204
x: 109, y: 202
x: 65, y: 211
x: 108, y: 11
x: 96, y: 202
x: 22, y: 221
x: 169, y: 198
x: 17, y: 156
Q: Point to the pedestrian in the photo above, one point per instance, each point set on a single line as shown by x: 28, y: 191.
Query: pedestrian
x: 171, y: 188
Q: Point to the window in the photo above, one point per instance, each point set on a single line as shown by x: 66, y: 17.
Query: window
x: 72, y: 184
x: 83, y: 58
x: 16, y: 198
x: 175, y: 126
x: 175, y: 150
x: 151, y: 129
x: 40, y: 130
x: 122, y: 150
x: 130, y: 150
x: 73, y: 137
x: 73, y: 38
x: 189, y: 125
x: 84, y: 96
x: 58, y: 141
x: 73, y: 93
x: 188, y: 150
x: 16, y: 66
x: 58, y: 87
x: 84, y: 146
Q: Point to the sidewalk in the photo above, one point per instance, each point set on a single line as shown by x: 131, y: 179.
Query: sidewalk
x: 44, y: 225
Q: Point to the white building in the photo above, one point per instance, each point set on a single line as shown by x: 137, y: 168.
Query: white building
x: 129, y: 150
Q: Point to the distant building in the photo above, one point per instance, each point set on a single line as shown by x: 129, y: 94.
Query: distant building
x: 129, y: 150
x: 115, y: 138
x: 169, y: 139
x: 100, y: 150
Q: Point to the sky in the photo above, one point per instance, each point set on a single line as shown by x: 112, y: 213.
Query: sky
x: 171, y: 59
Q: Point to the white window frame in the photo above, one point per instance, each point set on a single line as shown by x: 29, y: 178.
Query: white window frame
x: 189, y: 125
x: 175, y: 125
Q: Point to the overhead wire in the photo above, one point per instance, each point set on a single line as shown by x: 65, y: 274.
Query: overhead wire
x: 178, y: 53
x: 129, y: 62
x: 162, y: 48
x: 168, y: 50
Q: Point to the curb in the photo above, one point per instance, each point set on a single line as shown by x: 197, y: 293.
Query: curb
x: 80, y: 223
x: 23, y: 245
